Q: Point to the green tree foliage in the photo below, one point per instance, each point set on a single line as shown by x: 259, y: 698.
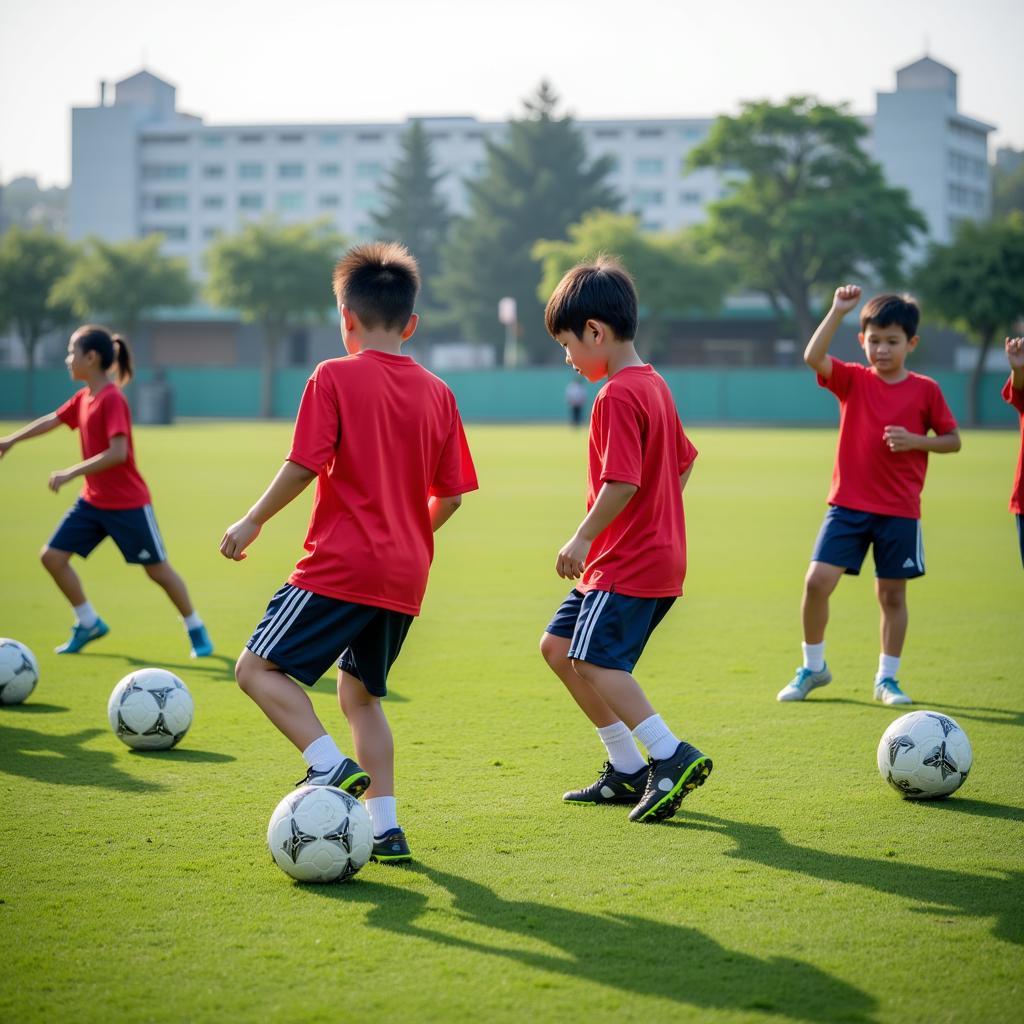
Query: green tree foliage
x: 277, y: 276
x: 672, y: 277
x: 122, y: 281
x: 1008, y: 189
x: 536, y: 183
x: 809, y: 209
x: 31, y: 264
x: 976, y: 284
x: 414, y: 212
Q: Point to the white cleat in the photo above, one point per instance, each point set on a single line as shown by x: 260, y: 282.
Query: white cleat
x: 803, y: 682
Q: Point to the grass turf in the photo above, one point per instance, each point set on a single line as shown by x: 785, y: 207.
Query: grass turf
x: 796, y: 884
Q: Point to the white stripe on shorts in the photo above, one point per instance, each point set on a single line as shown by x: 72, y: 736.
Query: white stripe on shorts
x: 282, y: 620
x: 588, y: 628
x: 920, y: 548
x: 158, y: 541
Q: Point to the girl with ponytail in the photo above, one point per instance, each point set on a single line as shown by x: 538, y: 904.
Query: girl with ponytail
x: 115, y: 500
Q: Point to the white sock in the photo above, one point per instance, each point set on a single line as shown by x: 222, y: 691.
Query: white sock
x: 192, y: 621
x: 85, y: 615
x: 322, y: 754
x: 888, y: 666
x: 657, y: 737
x: 814, y: 656
x: 383, y: 814
x: 623, y: 752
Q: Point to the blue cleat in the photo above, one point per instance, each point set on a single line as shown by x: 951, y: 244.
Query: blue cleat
x: 888, y: 691
x: 202, y: 645
x: 82, y: 635
x: 803, y: 682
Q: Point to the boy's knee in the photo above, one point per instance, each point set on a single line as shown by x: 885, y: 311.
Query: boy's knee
x: 553, y: 649
x: 818, y: 583
x: 243, y: 672
x: 52, y: 558
x: 892, y: 596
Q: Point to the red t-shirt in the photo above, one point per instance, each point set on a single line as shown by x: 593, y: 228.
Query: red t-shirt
x: 98, y: 418
x: 636, y: 438
x: 1016, y: 399
x: 867, y: 476
x: 384, y: 435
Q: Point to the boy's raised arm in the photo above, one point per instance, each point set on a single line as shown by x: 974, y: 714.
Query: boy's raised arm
x: 816, y: 354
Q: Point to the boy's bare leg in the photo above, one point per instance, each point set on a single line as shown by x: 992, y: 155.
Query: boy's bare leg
x: 819, y: 583
x: 892, y: 599
x: 371, y: 734
x: 281, y: 699
x: 58, y: 564
x: 173, y: 585
x: 618, y: 691
x: 555, y: 650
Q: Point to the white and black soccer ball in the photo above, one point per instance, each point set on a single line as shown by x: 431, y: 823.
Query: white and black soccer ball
x: 150, y: 709
x: 19, y: 671
x: 320, y: 834
x: 924, y: 755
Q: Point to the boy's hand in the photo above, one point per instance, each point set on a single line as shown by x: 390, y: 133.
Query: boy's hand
x: 569, y: 564
x: 899, y: 439
x: 237, y: 538
x: 58, y: 478
x: 846, y: 298
x: 1014, y: 355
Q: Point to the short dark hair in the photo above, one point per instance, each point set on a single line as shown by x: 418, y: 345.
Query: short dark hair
x: 379, y: 282
x: 601, y: 290
x: 887, y: 310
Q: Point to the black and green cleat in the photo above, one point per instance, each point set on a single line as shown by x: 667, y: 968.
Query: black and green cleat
x: 391, y: 848
x: 611, y: 787
x: 669, y: 781
x: 346, y: 775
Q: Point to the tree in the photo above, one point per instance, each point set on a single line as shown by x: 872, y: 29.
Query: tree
x: 31, y: 264
x: 536, y: 183
x: 414, y: 213
x: 1008, y: 187
x: 977, y: 284
x: 810, y: 210
x: 122, y: 281
x: 671, y: 276
x: 276, y: 276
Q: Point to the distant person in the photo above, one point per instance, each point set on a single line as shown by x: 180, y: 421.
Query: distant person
x: 1013, y: 392
x: 889, y: 420
x: 115, y: 500
x: 629, y: 551
x: 383, y: 439
x: 575, y: 398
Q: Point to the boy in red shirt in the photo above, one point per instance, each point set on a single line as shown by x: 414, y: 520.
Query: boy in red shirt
x: 885, y: 415
x: 630, y: 549
x: 1013, y: 392
x: 385, y: 443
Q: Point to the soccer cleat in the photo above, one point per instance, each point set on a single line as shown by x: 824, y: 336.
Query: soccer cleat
x: 82, y: 635
x: 202, y: 645
x: 612, y: 787
x: 803, y: 682
x: 391, y: 848
x: 888, y: 691
x: 347, y: 775
x: 669, y: 780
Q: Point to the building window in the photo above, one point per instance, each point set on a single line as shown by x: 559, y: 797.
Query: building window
x: 166, y: 140
x: 330, y: 138
x: 166, y: 201
x: 438, y: 136
x: 367, y: 200
x: 650, y: 165
x: 692, y: 133
x: 649, y: 133
x: 368, y: 137
x: 210, y: 233
x: 290, y: 171
x: 607, y: 133
x: 213, y: 171
x: 213, y: 202
x: 250, y: 201
x: 291, y: 201
x: 250, y: 172
x: 327, y: 202
x: 164, y: 172
x: 369, y: 169
x: 689, y: 198
x: 329, y: 170
x: 648, y: 197
x: 213, y: 141
x: 172, y: 232
x: 250, y: 138
x: 291, y: 138
x: 473, y: 136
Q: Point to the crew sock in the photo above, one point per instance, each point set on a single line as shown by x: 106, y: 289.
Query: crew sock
x: 888, y: 666
x: 622, y: 750
x: 85, y: 615
x: 383, y: 814
x: 657, y: 737
x: 322, y: 754
x: 814, y: 656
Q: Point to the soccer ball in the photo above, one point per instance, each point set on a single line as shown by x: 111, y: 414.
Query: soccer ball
x: 924, y: 755
x: 320, y: 834
x: 19, y: 671
x: 150, y: 709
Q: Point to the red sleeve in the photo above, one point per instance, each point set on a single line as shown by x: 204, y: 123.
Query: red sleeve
x: 940, y: 418
x: 317, y: 426
x: 686, y: 454
x: 117, y: 418
x: 455, y: 472
x: 840, y: 379
x: 68, y: 412
x: 1010, y: 394
x: 618, y: 431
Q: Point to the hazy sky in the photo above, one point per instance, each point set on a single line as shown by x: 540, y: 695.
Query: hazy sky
x: 337, y: 60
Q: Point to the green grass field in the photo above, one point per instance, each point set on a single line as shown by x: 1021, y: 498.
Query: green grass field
x: 796, y: 885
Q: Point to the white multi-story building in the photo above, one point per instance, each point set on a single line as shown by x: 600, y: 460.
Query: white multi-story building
x: 140, y: 166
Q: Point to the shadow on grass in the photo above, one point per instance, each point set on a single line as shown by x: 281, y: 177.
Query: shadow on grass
x: 622, y: 951
x: 991, y: 716
x: 938, y: 890
x: 187, y: 754
x: 64, y: 760
x: 215, y: 664
x: 32, y: 709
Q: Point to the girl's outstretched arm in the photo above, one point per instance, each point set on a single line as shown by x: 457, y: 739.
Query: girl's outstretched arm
x: 43, y: 425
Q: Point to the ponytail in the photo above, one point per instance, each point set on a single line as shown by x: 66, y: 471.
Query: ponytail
x: 111, y: 348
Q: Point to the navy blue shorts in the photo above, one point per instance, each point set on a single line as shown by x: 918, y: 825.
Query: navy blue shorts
x: 304, y: 634
x: 610, y: 630
x: 896, y: 543
x: 133, y: 530
x: 1020, y: 536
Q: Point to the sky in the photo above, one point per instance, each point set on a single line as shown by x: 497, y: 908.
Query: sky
x: 336, y: 60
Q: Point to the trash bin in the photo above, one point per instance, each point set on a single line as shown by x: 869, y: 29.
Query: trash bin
x: 153, y: 402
